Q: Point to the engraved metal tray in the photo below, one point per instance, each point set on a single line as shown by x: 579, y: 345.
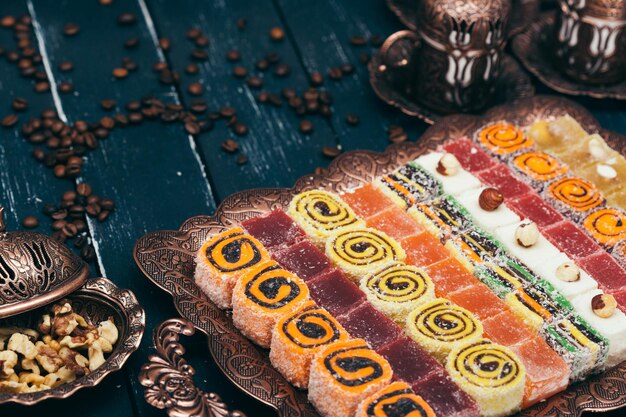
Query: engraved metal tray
x: 167, y: 258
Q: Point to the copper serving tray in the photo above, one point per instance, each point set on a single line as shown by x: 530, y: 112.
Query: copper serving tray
x: 167, y: 258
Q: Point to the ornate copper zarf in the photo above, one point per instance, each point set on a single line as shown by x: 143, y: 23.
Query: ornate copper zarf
x: 590, y: 40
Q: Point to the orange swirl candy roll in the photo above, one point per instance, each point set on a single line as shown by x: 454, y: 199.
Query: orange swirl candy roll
x: 263, y: 296
x: 298, y: 336
x: 576, y: 194
x: 503, y: 138
x: 607, y: 226
x: 396, y: 400
x: 345, y: 373
x: 223, y: 259
x: 539, y: 165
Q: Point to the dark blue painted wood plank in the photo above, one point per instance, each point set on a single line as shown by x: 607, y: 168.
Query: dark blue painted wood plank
x: 322, y: 30
x: 278, y: 153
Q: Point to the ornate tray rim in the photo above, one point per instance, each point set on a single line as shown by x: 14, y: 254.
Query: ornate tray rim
x: 125, y: 302
x: 166, y: 257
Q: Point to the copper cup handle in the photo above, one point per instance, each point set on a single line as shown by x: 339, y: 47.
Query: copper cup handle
x: 388, y: 45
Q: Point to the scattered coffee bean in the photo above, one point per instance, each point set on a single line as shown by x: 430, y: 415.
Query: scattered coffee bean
x: 199, y: 55
x: 104, y: 214
x: 71, y: 29
x: 107, y: 104
x: 202, y: 41
x: 195, y: 89
x: 126, y: 19
x: 120, y: 73
x: 83, y: 189
x: 317, y: 79
x: 191, y: 69
x: 7, y: 21
x: 277, y: 34
x: 129, y: 64
x: 396, y: 134
x: 66, y: 66
x: 80, y: 241
x: 263, y: 97
x: 60, y: 214
x: 227, y: 112
x: 282, y: 70
x: 131, y: 43
x: 58, y: 224
x: 10, y: 120
x: 30, y: 222
x: 241, y: 23
x: 233, y: 55
x: 88, y: 253
x: 240, y: 129
x: 19, y: 104
x: 352, y: 119
x: 306, y: 126
x: 230, y: 145
x: 347, y: 68
x: 93, y: 209
x: 42, y: 87
x: 193, y: 33
x: 66, y: 87
x: 335, y: 73
x: 242, y: 159
x: 262, y: 64
x: 357, y: 40
x: 254, y: 82
x: 107, y: 204
x: 165, y: 44
x: 330, y: 151
x: 192, y: 128
x: 240, y: 72
x: 69, y: 230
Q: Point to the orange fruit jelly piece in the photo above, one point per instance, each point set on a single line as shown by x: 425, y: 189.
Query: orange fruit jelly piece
x: 507, y: 329
x: 478, y: 299
x: 395, y: 222
x: 367, y: 200
x: 546, y: 372
x: 423, y: 249
x: 450, y: 275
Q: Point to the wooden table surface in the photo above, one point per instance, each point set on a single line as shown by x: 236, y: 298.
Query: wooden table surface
x: 157, y: 173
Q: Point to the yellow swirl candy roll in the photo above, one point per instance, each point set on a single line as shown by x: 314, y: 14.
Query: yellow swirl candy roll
x: 298, y: 336
x: 503, y: 138
x: 263, y: 296
x: 491, y: 374
x: 397, y: 289
x: 345, y: 373
x: 396, y: 400
x: 223, y: 259
x: 360, y: 252
x: 320, y: 213
x: 440, y: 326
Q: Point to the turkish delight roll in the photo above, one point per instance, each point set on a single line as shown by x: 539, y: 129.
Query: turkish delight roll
x: 439, y: 326
x: 408, y: 185
x: 223, y: 259
x: 396, y: 400
x: 491, y: 374
x: 359, y: 252
x: 503, y: 138
x: 320, y: 213
x: 345, y: 373
x: 298, y: 336
x: 397, y: 289
x: 263, y: 296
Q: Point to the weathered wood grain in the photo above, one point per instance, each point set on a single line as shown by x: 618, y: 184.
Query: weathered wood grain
x: 278, y: 153
x: 322, y: 31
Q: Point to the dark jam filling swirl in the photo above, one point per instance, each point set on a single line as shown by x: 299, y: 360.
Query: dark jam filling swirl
x: 399, y: 403
x: 351, y: 368
x: 233, y: 253
x: 311, y: 329
x: 272, y: 290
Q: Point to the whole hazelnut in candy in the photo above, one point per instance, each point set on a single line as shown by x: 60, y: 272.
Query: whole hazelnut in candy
x: 568, y: 272
x: 448, y: 165
x: 527, y: 234
x: 603, y: 305
x: 490, y: 199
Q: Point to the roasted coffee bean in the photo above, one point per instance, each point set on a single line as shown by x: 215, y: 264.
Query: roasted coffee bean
x: 317, y: 79
x: 230, y: 145
x: 76, y: 211
x: 240, y: 129
x: 131, y: 43
x: 88, y: 253
x: 159, y: 66
x: 277, y: 34
x: 165, y: 44
x: 120, y: 73
x: 107, y: 204
x: 198, y: 106
x: 108, y: 104
x: 58, y: 224
x: 254, y: 82
x: 262, y: 64
x: 107, y: 122
x: 191, y: 69
x: 396, y: 134
x: 240, y: 72
x: 38, y: 154
x: 66, y: 66
x: 69, y: 230
x: 10, y: 120
x: 263, y: 97
x: 60, y: 214
x: 311, y: 94
x: 30, y: 222
x: 83, y: 189
x: 66, y: 87
x: 168, y: 77
x: 233, y: 55
x: 335, y: 73
x: 288, y: 93
x: 282, y: 70
x: 347, y: 68
x: 306, y: 126
x: 192, y: 128
x: 352, y: 119
x: 199, y: 55
x: 227, y: 112
x: 135, y: 117
x: 331, y: 151
x: 241, y: 23
x: 71, y: 29
x: 195, y: 89
x: 42, y: 87
x: 295, y: 102
x: 93, y: 209
x: 129, y: 64
x: 202, y: 41
x: 80, y: 241
x: 102, y: 133
x: 69, y: 196
x: 19, y: 104
x: 193, y: 33
x: 242, y: 159
x: 205, y: 125
x: 126, y: 19
x: 319, y: 171
x: 104, y: 214
x: 7, y: 21
x: 357, y: 40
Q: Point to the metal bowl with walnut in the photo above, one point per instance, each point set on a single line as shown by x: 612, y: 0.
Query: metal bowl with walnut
x: 167, y: 259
